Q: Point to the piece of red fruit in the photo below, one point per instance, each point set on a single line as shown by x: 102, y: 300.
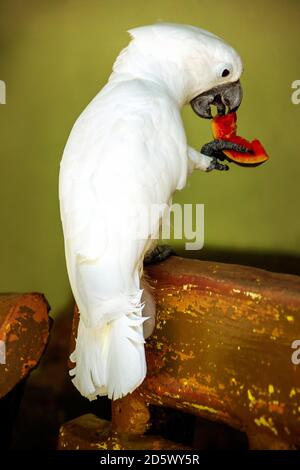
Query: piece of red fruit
x: 225, y: 128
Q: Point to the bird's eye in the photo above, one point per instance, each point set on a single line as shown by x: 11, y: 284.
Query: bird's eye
x: 225, y: 73
x: 224, y: 70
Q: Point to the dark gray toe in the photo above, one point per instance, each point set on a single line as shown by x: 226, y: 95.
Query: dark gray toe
x: 160, y: 253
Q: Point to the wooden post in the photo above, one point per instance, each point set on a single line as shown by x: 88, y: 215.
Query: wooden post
x: 24, y: 333
x: 221, y: 350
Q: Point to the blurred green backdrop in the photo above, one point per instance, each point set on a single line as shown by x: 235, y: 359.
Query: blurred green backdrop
x: 54, y: 57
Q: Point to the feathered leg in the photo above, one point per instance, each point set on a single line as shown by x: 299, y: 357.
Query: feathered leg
x: 149, y: 309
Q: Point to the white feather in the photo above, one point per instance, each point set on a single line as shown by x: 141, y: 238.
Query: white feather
x: 127, y: 149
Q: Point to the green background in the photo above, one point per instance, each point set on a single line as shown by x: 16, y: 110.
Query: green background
x: 56, y: 55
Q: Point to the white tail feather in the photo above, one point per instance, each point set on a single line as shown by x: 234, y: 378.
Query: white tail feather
x: 110, y: 359
x: 126, y: 364
x: 89, y: 372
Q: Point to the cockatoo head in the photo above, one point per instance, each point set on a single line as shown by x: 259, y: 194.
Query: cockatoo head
x: 196, y: 66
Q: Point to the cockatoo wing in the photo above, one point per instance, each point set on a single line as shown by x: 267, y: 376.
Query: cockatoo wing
x: 114, y: 161
x: 116, y: 166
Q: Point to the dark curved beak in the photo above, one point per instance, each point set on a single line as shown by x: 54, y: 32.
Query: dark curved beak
x: 226, y: 98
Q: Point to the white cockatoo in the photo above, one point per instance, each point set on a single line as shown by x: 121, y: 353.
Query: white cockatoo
x: 128, y: 148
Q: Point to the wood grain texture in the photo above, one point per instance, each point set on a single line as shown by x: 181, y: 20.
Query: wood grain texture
x: 91, y: 433
x: 221, y: 350
x: 24, y: 328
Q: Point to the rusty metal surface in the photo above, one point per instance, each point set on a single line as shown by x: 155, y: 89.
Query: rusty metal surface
x: 24, y: 327
x: 222, y: 350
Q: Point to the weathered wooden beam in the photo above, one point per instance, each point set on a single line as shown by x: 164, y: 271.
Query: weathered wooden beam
x: 24, y: 329
x: 222, y: 350
x: 91, y: 433
x: 24, y: 332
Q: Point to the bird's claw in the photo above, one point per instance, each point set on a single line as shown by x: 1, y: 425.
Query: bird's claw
x: 160, y: 253
x: 215, y: 149
x: 215, y: 165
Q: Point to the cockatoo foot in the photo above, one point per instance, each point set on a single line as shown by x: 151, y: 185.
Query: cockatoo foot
x: 215, y: 149
x: 160, y: 253
x: 215, y: 165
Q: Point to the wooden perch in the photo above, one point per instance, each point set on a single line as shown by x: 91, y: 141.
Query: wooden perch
x: 221, y: 350
x: 24, y: 332
x: 24, y: 329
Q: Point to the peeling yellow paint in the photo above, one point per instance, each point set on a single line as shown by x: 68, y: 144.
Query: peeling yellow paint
x: 191, y: 313
x: 201, y: 407
x: 267, y: 423
x: 270, y: 389
x: 117, y: 447
x: 103, y: 446
x: 189, y: 286
x: 251, y: 398
x: 253, y: 295
x: 172, y: 395
x: 184, y: 356
x: 261, y: 331
x: 290, y: 318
